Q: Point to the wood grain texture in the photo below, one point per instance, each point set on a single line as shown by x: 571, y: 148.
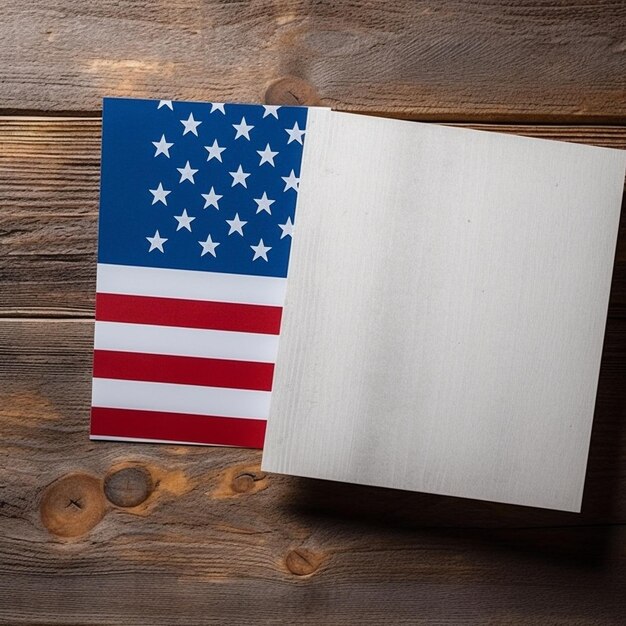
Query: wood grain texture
x: 515, y: 60
x: 184, y: 535
x: 217, y: 541
x: 49, y: 178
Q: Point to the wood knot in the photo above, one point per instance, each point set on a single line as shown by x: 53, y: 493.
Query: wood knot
x: 73, y: 505
x: 129, y: 486
x: 234, y: 481
x: 302, y: 562
x: 244, y: 482
x: 292, y: 90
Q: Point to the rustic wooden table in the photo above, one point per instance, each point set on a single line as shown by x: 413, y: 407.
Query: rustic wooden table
x: 103, y: 533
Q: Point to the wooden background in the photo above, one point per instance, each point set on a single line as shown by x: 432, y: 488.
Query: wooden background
x: 103, y: 533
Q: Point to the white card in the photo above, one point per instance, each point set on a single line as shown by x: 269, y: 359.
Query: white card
x: 445, y: 311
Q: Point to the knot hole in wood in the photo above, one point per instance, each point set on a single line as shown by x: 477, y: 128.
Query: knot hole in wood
x: 302, y: 562
x: 72, y: 505
x: 291, y: 90
x: 129, y: 486
x: 244, y: 482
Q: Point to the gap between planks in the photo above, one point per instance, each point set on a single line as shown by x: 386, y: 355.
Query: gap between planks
x: 12, y: 115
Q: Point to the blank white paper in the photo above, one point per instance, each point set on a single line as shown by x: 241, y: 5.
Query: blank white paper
x: 445, y: 310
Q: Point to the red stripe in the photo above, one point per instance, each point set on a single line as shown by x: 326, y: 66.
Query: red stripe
x: 245, y: 318
x: 182, y: 370
x: 228, y: 431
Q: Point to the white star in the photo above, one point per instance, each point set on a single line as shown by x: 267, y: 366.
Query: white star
x: 156, y: 242
x: 236, y: 225
x: 208, y: 246
x: 295, y: 134
x: 218, y: 106
x: 187, y: 173
x: 211, y: 199
x: 267, y: 155
x: 260, y: 251
x: 166, y: 103
x: 270, y: 110
x: 215, y: 151
x: 264, y: 203
x: 184, y: 221
x: 239, y: 177
x: 191, y: 126
x: 287, y: 228
x: 291, y: 181
x: 159, y: 194
x: 243, y: 129
x: 162, y: 147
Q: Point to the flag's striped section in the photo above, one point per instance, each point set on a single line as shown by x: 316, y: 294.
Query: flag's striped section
x: 187, y: 399
x: 190, y: 285
x: 184, y: 355
x: 212, y: 344
x: 107, y: 423
x: 183, y: 370
x: 245, y: 318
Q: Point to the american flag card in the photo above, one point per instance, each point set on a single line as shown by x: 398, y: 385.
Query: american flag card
x: 196, y: 217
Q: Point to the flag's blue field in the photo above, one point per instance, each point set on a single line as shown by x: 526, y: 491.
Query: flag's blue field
x: 199, y: 186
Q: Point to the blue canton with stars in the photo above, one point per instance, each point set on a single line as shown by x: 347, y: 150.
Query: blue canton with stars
x: 199, y: 186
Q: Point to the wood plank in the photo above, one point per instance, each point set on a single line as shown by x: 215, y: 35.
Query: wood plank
x: 131, y: 576
x: 509, y: 61
x: 212, y: 539
x: 45, y: 392
x: 49, y: 178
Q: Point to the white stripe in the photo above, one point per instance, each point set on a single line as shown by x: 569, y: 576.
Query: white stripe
x: 190, y: 285
x: 168, y: 441
x: 171, y: 340
x: 188, y: 399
